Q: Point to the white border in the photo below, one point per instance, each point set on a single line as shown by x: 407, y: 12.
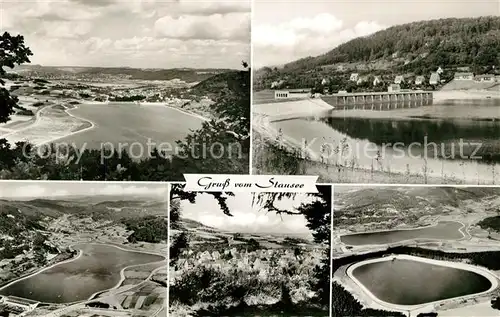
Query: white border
x: 252, y: 70
x: 331, y: 250
x: 167, y: 298
x: 405, y: 308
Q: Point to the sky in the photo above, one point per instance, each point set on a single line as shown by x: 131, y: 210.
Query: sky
x: 246, y: 218
x: 132, y: 33
x: 286, y: 30
x: 56, y: 189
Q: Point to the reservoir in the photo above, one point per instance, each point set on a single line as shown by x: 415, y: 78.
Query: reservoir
x: 444, y: 230
x: 97, y: 269
x: 454, y: 139
x: 412, y: 282
x: 126, y: 124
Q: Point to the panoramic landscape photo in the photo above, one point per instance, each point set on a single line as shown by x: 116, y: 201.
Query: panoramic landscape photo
x: 416, y: 251
x: 406, y: 95
x: 83, y: 249
x: 124, y: 90
x: 249, y: 254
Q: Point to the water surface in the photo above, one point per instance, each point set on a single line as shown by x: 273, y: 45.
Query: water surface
x: 129, y: 123
x: 96, y: 270
x: 411, y: 282
x: 444, y: 230
x: 452, y: 139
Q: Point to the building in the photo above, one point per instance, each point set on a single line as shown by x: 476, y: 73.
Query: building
x: 292, y: 93
x: 281, y: 94
x: 485, y: 78
x: 419, y: 80
x: 394, y: 88
x: 324, y: 81
x: 464, y: 69
x: 464, y: 76
x: 354, y: 77
x: 435, y: 78
x: 19, y: 304
x: 340, y: 68
x: 277, y: 84
x: 439, y: 70
x: 361, y: 79
x: 376, y: 80
x: 399, y: 79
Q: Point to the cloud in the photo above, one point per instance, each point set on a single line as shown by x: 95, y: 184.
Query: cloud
x: 21, y: 190
x: 142, y: 33
x: 246, y: 218
x: 302, y: 37
x: 214, y: 7
x: 233, y: 26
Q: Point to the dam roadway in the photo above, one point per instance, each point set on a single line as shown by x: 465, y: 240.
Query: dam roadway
x: 374, y: 100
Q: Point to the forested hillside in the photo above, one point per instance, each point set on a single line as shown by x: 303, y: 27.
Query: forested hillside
x: 417, y: 48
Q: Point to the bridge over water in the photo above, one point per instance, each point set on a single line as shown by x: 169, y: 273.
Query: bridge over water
x: 379, y: 100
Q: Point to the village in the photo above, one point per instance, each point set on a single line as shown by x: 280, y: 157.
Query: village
x: 266, y: 267
x: 343, y: 82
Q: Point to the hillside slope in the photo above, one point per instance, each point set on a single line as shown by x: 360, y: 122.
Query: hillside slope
x: 443, y: 42
x: 404, y: 204
x: 185, y: 74
x: 416, y: 48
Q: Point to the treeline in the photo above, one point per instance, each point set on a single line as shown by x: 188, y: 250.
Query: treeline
x: 417, y: 48
x: 345, y: 305
x: 128, y: 98
x: 444, y: 42
x: 150, y: 229
x: 490, y: 223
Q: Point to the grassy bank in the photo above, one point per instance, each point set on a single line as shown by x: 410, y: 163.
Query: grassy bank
x: 270, y: 158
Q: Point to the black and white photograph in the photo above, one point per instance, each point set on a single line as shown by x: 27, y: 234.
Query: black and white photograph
x: 249, y: 254
x: 124, y: 90
x: 367, y: 91
x: 416, y: 251
x: 83, y: 249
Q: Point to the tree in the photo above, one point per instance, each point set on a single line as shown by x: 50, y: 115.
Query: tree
x: 229, y: 130
x: 12, y: 51
x: 317, y: 213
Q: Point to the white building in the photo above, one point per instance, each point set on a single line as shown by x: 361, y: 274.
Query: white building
x: 485, y: 78
x: 394, y: 88
x: 281, y: 94
x: 464, y: 76
x: 399, y: 79
x: 354, y: 77
x: 376, y: 81
x: 419, y: 80
x: 434, y: 80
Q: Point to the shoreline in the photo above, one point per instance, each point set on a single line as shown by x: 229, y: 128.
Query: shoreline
x: 84, y: 121
x: 80, y: 253
x: 405, y: 308
x: 36, y: 124
x: 463, y: 226
x: 265, y: 114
